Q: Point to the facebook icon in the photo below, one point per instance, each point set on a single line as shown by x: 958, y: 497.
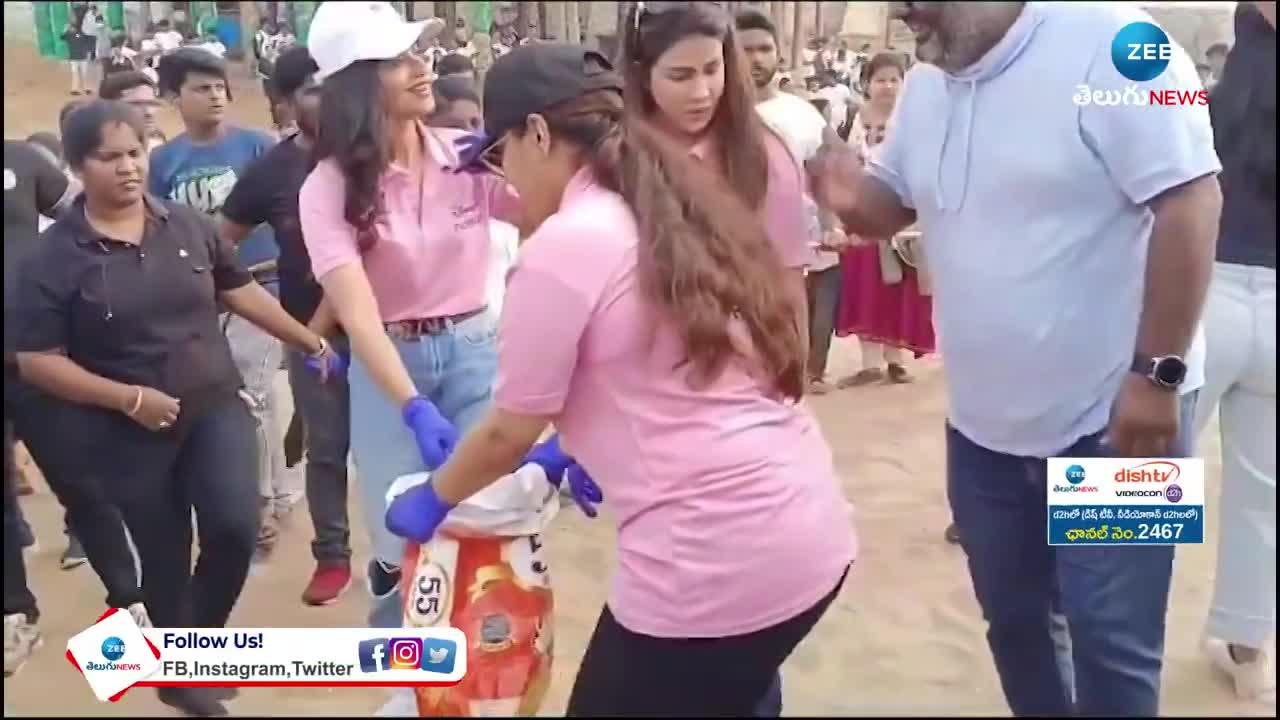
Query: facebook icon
x: 373, y: 655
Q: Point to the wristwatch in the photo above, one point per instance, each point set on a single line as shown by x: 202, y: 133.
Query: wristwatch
x: 1166, y: 371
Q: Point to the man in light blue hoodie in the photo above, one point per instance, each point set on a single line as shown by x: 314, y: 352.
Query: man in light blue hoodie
x: 1070, y: 246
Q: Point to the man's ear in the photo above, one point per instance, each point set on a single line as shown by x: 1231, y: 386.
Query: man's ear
x: 537, y: 125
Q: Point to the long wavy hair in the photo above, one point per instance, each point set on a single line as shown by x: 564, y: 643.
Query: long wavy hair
x: 354, y: 132
x: 649, y: 31
x: 703, y: 257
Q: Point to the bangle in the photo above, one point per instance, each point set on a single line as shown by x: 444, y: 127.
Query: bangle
x: 137, y: 402
x: 324, y: 348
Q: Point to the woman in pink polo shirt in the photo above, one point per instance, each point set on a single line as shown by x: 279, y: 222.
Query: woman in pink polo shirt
x: 401, y: 245
x: 684, y: 72
x: 645, y: 321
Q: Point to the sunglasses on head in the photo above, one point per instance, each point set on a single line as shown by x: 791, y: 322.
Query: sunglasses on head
x: 645, y: 9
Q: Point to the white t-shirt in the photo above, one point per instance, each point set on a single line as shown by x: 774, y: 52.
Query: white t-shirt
x: 216, y: 47
x: 800, y: 126
x: 838, y: 97
x: 168, y: 40
x: 504, y: 238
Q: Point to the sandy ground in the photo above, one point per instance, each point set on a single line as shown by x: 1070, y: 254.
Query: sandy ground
x: 904, y: 638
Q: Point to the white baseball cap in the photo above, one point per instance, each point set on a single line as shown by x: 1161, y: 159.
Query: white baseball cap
x: 342, y: 33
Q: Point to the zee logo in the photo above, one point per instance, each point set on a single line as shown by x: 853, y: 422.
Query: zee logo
x: 1141, y: 51
x: 1075, y: 474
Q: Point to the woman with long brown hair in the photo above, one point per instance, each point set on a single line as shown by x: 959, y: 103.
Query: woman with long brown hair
x: 684, y: 73
x: 645, y: 321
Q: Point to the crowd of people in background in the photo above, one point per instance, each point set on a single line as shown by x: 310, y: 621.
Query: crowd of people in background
x: 361, y: 246
x: 95, y: 50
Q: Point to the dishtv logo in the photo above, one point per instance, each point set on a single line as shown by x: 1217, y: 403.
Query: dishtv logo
x: 1141, y: 52
x: 437, y: 655
x: 1153, y: 471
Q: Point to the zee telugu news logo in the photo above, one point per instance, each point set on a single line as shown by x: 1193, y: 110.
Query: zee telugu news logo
x: 1141, y: 51
x: 112, y: 650
x: 436, y: 655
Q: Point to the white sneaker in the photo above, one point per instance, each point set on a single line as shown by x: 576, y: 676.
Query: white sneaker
x: 1254, y: 681
x: 140, y: 616
x: 21, y: 639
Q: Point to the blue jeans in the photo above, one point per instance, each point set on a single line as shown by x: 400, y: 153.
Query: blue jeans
x: 455, y: 369
x: 258, y: 357
x: 1105, y: 659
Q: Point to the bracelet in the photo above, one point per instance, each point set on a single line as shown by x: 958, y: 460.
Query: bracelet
x: 324, y: 348
x: 137, y: 402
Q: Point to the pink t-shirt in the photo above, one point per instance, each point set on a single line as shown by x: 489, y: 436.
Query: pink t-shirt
x: 784, y: 211
x: 432, y: 254
x: 731, y: 518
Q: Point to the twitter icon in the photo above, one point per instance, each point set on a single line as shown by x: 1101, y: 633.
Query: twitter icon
x: 439, y: 655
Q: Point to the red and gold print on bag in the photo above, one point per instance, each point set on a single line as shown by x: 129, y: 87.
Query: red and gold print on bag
x: 497, y: 591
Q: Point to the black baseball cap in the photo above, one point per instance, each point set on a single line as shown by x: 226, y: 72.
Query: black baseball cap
x: 533, y: 78
x: 292, y: 69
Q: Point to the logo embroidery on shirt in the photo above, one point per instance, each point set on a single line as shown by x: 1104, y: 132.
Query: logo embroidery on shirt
x: 466, y: 216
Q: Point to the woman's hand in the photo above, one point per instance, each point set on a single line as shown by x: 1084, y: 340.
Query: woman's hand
x: 834, y: 241
x: 558, y: 467
x: 416, y: 513
x: 326, y: 362
x: 435, y: 435
x: 152, y: 409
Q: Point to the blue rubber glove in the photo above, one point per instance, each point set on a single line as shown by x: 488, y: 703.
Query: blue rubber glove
x: 416, y: 513
x: 331, y: 364
x: 436, y: 436
x: 558, y: 466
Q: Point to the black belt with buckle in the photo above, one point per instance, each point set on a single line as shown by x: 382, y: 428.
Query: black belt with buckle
x: 418, y: 327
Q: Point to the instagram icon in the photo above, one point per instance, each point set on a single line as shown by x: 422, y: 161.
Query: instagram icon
x: 406, y: 653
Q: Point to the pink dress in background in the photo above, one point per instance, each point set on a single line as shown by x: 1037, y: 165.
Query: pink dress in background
x: 897, y: 315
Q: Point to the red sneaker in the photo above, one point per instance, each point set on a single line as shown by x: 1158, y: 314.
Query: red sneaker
x: 328, y: 582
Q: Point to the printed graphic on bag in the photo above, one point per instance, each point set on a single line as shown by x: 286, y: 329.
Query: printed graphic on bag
x: 497, y: 591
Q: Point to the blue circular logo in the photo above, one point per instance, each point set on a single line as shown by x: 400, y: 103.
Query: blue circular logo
x: 113, y: 648
x: 1173, y: 493
x: 1075, y: 474
x: 1141, y: 51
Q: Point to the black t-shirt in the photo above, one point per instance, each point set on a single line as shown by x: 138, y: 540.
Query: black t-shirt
x: 142, y: 315
x: 268, y: 193
x: 116, y: 64
x: 79, y: 45
x: 33, y: 186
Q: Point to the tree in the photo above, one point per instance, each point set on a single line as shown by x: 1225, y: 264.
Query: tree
x: 795, y: 42
x: 572, y: 22
x: 554, y: 28
x: 525, y: 12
